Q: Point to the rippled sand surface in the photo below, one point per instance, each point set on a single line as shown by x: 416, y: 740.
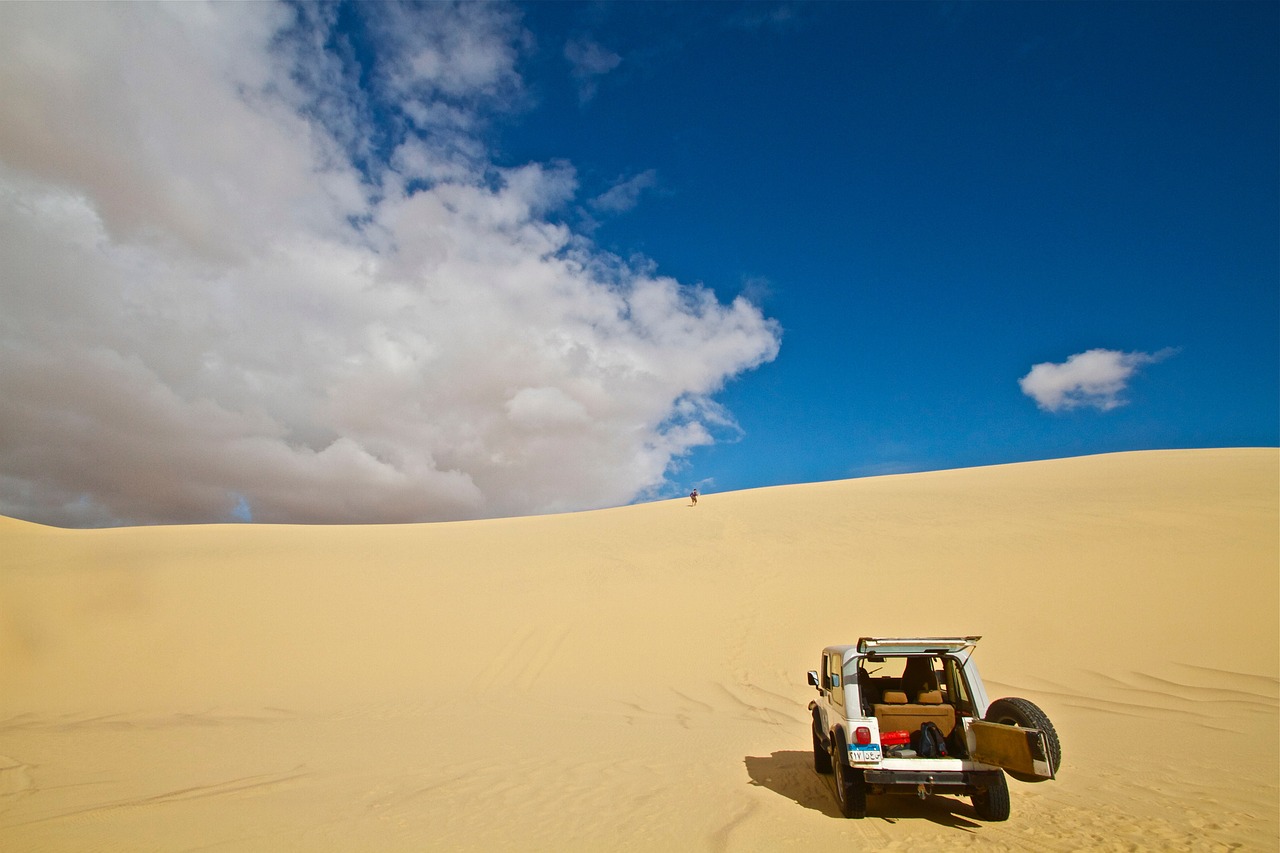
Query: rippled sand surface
x: 633, y: 679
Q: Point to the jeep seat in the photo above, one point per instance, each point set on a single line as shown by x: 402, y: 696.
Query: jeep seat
x: 895, y: 713
x: 919, y: 677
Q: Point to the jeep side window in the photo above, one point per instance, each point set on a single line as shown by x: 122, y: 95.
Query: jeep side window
x: 833, y: 678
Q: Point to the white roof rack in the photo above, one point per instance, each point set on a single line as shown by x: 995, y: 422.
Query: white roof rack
x: 915, y: 645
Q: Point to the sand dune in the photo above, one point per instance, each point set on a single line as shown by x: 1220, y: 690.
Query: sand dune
x: 633, y: 679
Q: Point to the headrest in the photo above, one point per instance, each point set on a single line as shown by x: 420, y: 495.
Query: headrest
x: 895, y: 697
x: 929, y: 697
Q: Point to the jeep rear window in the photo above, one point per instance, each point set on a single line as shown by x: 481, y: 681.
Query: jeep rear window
x: 882, y: 667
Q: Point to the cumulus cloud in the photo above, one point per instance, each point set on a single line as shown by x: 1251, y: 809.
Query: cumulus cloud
x: 230, y: 293
x: 1095, y: 378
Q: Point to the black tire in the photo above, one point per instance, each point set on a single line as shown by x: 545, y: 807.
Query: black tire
x: 993, y: 802
x: 851, y: 785
x: 1027, y: 715
x: 821, y: 758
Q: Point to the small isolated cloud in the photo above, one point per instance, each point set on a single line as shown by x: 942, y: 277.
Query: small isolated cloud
x: 624, y: 195
x: 757, y: 289
x: 757, y: 16
x: 1094, y: 378
x: 589, y: 62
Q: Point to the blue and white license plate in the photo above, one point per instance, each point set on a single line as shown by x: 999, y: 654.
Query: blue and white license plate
x: 863, y: 753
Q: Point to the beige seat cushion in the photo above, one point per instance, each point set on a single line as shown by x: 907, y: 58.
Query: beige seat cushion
x: 911, y: 717
x: 929, y: 697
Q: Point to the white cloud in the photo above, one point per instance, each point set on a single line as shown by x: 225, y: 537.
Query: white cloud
x: 1096, y: 378
x: 219, y: 301
x: 458, y: 50
x: 589, y: 62
x: 625, y: 194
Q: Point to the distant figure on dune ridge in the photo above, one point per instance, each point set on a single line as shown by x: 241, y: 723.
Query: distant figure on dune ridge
x: 693, y: 496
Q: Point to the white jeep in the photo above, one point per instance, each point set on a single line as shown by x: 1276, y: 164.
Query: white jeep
x: 874, y: 721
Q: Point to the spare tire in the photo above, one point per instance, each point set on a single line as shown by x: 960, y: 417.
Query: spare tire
x: 1026, y: 715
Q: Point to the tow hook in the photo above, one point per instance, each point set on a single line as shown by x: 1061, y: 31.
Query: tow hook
x: 924, y: 789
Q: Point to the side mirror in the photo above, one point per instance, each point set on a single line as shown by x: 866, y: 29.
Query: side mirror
x: 813, y: 678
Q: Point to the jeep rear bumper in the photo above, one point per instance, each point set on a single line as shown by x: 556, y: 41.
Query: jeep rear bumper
x: 941, y: 781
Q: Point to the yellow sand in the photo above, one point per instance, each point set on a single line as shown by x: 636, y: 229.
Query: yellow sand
x: 634, y: 679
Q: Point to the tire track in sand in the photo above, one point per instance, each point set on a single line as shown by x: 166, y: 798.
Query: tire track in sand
x: 224, y: 788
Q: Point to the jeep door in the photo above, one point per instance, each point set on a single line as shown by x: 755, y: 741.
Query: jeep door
x: 832, y: 705
x: 1016, y: 749
x: 1020, y: 750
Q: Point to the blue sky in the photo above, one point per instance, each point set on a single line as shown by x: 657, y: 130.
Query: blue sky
x: 382, y: 262
x: 931, y: 198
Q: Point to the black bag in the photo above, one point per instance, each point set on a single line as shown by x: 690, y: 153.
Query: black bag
x: 928, y: 742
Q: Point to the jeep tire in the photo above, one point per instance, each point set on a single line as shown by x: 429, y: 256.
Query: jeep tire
x: 1027, y: 715
x: 992, y: 803
x: 821, y: 758
x: 851, y: 785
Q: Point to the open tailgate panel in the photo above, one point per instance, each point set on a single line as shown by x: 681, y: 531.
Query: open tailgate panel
x: 1013, y: 748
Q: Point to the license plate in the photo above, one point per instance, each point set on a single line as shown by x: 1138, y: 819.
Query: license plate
x: 860, y: 753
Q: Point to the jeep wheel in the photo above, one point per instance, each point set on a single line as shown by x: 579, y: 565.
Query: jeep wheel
x: 851, y: 785
x: 1026, y: 715
x: 993, y: 802
x: 821, y: 758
